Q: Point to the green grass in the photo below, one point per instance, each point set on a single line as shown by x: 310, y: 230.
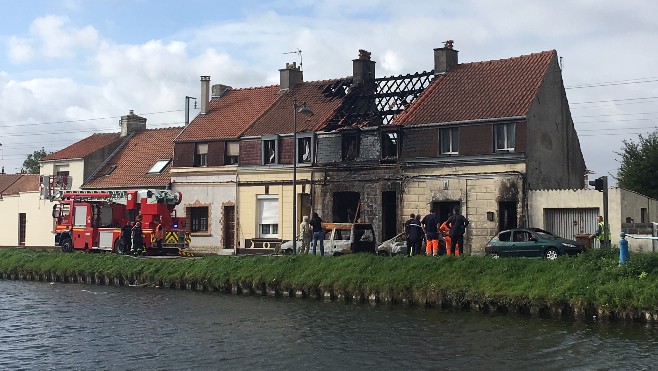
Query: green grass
x: 594, y: 277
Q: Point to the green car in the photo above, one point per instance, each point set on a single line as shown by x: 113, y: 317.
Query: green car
x: 531, y: 242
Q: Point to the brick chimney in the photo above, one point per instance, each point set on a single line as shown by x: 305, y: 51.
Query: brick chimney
x: 290, y: 76
x: 445, y: 58
x: 218, y: 90
x: 131, y: 122
x: 363, y: 69
x: 205, y: 94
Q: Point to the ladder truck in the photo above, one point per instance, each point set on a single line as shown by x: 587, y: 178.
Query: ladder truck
x: 93, y: 220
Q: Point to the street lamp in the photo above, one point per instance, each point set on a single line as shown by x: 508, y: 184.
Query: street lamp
x: 303, y: 109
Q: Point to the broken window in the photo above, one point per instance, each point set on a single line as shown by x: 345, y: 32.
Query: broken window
x: 350, y: 146
x: 390, y: 145
x: 505, y: 135
x: 304, y: 150
x: 270, y: 151
x: 201, y: 155
x: 449, y: 141
x: 232, y: 153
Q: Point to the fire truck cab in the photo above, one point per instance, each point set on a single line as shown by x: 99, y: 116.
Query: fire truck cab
x: 93, y: 220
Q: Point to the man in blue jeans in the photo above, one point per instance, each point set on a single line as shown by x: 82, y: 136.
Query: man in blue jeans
x: 318, y: 233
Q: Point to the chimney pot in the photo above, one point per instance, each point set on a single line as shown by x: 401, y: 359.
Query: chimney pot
x: 205, y: 94
x: 445, y: 58
x: 363, y: 69
x: 132, y: 122
x: 290, y: 76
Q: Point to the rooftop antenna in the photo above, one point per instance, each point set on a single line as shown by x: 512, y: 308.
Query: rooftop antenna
x: 298, y: 52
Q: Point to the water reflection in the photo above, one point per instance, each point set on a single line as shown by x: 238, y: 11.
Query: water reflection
x: 57, y: 326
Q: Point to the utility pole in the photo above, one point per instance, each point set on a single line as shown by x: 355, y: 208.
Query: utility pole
x: 601, y: 185
x: 187, y: 109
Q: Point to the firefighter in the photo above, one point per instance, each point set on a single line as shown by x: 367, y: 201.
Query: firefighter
x: 138, y: 239
x: 445, y: 232
x: 159, y: 234
x: 126, y: 231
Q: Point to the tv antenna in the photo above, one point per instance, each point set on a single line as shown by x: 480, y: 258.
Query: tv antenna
x: 298, y: 52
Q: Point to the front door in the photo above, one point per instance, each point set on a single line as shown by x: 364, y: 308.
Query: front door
x: 229, y: 227
x: 22, y: 224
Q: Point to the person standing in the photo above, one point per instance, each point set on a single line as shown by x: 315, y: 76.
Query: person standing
x: 138, y: 239
x: 305, y: 235
x: 600, y: 234
x: 126, y: 232
x: 318, y: 233
x: 412, y: 218
x: 159, y: 235
x: 415, y: 236
x: 444, y: 229
x: 430, y: 226
x: 458, y: 224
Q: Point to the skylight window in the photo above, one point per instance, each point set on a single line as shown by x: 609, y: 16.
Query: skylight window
x: 159, y: 166
x: 110, y: 170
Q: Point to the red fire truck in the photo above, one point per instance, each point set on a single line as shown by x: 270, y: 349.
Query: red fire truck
x: 93, y: 220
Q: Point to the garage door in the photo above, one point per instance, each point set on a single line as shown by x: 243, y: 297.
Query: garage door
x: 569, y: 222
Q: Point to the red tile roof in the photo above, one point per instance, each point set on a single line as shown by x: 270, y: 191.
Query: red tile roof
x: 135, y: 159
x: 84, y: 147
x: 231, y: 114
x: 6, y: 180
x: 25, y: 183
x: 481, y: 90
x: 320, y: 98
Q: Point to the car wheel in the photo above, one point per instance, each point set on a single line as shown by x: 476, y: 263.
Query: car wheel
x: 551, y: 254
x: 67, y: 245
x: 494, y: 255
x: 118, y: 247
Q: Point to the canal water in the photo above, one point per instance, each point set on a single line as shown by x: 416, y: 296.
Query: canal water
x: 85, y: 327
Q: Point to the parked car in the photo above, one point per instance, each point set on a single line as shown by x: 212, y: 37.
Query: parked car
x: 531, y: 242
x: 341, y: 238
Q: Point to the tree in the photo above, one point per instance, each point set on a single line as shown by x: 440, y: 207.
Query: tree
x: 31, y: 163
x: 639, y: 165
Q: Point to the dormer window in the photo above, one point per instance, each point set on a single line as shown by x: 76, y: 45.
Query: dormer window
x: 505, y: 137
x: 390, y: 145
x: 350, y: 146
x: 201, y: 155
x: 449, y: 141
x: 270, y: 151
x: 232, y: 153
x: 304, y: 148
x: 158, y: 166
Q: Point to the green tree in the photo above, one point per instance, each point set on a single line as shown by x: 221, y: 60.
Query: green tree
x: 639, y: 165
x: 31, y: 163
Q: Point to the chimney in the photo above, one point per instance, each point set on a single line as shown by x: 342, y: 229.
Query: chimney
x: 445, y: 58
x: 363, y: 69
x: 218, y: 90
x: 290, y: 76
x: 205, y: 94
x: 131, y: 122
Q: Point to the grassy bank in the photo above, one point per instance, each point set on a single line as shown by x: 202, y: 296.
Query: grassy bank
x: 590, y: 283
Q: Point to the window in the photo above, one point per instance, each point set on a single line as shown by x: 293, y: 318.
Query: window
x: 449, y: 141
x: 350, y: 146
x: 389, y: 145
x: 270, y: 151
x: 110, y: 170
x: 158, y: 167
x: 505, y: 137
x: 505, y: 236
x: 522, y: 236
x: 201, y: 155
x: 232, y: 153
x: 198, y: 219
x: 268, y: 216
x: 304, y: 150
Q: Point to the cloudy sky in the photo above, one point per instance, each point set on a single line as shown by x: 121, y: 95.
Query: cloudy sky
x: 70, y: 68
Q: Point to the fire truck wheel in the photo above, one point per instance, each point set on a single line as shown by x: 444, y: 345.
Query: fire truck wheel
x: 118, y: 247
x: 67, y: 245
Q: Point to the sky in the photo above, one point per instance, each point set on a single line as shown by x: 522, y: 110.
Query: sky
x: 71, y: 68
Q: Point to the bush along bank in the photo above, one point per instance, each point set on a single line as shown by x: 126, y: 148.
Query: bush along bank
x: 590, y: 286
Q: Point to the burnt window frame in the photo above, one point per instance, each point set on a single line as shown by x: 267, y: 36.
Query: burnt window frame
x: 273, y: 139
x: 303, y: 138
x: 347, y: 135
x: 387, y: 146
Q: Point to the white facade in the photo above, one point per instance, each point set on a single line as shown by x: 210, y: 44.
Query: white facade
x: 38, y: 219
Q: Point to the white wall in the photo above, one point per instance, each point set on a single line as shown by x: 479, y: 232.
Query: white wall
x: 39, y: 221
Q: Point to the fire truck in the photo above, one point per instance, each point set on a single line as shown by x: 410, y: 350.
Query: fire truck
x: 93, y: 220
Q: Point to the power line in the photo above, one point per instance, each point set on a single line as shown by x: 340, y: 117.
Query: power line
x: 642, y: 80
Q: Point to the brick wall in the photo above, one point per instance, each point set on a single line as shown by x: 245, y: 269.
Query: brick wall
x: 286, y: 150
x: 250, y: 152
x: 329, y: 148
x: 475, y: 140
x: 420, y: 143
x: 216, y: 153
x: 184, y: 154
x: 370, y: 147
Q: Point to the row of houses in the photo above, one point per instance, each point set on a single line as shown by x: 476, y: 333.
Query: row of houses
x: 487, y: 136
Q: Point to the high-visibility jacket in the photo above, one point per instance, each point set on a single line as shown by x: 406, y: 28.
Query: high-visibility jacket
x: 604, y: 235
